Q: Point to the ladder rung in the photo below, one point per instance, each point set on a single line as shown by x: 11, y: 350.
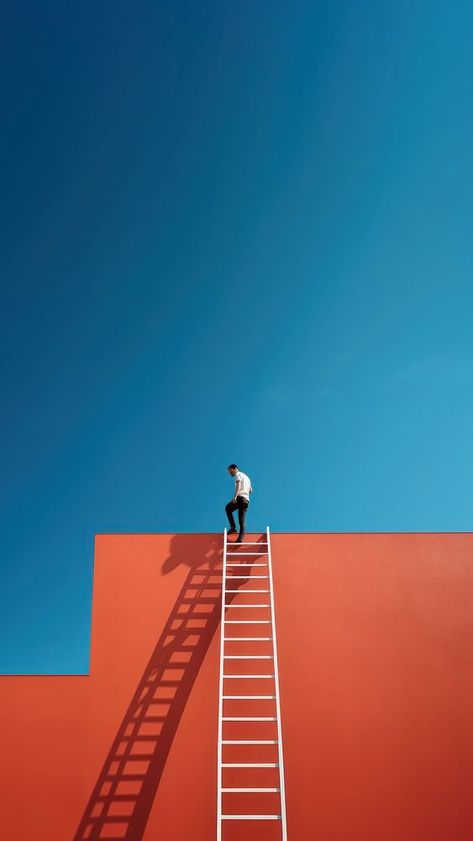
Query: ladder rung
x: 245, y: 565
x: 245, y: 591
x: 246, y: 677
x: 246, y: 578
x: 248, y: 697
x: 247, y: 622
x: 250, y: 790
x: 249, y: 718
x: 249, y: 741
x: 239, y: 606
x: 250, y: 764
x: 250, y: 817
x: 247, y: 657
x: 247, y: 639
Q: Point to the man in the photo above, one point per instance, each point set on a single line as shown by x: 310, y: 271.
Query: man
x: 240, y: 501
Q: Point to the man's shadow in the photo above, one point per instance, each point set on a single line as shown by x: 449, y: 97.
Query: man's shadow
x: 206, y: 549
x: 122, y: 798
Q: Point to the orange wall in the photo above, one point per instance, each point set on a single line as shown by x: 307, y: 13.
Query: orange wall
x: 375, y: 637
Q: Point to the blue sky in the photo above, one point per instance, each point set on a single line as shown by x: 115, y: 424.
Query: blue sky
x: 229, y: 232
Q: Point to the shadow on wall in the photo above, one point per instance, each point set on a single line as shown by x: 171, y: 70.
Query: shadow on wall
x: 123, y: 796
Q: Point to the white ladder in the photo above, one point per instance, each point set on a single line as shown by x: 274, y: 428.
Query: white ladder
x: 234, y: 599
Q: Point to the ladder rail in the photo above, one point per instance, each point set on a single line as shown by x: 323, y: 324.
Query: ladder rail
x: 282, y: 785
x: 220, y: 694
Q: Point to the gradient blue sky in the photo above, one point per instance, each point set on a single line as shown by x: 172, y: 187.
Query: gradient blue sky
x: 230, y: 231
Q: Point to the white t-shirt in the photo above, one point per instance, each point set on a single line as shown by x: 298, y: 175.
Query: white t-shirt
x: 245, y: 485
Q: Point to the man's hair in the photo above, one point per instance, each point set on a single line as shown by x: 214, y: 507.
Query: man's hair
x: 232, y: 467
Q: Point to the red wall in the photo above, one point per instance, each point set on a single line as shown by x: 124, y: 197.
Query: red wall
x: 375, y: 638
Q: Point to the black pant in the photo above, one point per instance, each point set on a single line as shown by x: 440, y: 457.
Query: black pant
x: 241, y: 505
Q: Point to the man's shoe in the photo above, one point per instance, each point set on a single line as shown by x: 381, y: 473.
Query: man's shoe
x: 231, y: 531
x: 239, y: 539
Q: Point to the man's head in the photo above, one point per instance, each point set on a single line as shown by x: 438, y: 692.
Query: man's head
x: 232, y: 469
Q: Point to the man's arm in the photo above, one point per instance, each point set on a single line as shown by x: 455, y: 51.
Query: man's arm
x: 237, y: 488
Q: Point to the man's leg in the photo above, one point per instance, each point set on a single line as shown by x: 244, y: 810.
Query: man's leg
x: 242, y: 506
x: 230, y: 508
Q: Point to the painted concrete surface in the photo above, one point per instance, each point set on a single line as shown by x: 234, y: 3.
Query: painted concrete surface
x: 375, y: 636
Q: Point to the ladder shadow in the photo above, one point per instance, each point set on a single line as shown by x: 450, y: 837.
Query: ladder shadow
x: 123, y: 796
